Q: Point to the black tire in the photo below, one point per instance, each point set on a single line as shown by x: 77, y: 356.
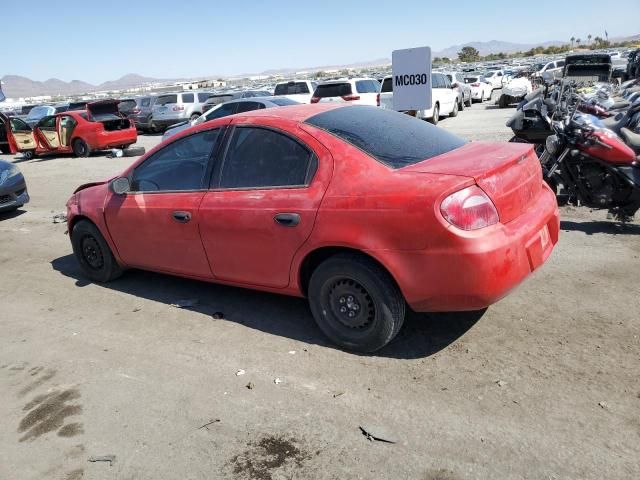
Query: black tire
x: 194, y: 117
x: 454, y: 112
x: 93, y: 253
x: 80, y: 148
x: 461, y: 103
x: 374, y: 308
x: 502, y: 102
x: 436, y: 115
x: 469, y: 102
x: 133, y: 151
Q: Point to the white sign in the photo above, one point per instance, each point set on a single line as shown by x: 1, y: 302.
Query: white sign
x: 411, y: 72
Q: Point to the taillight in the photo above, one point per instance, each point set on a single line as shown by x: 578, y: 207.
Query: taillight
x: 178, y: 108
x: 315, y: 99
x: 350, y: 98
x: 475, y: 84
x: 469, y: 209
x: 378, y: 100
x: 136, y: 111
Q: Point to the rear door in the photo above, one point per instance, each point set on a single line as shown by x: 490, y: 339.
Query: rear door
x: 156, y: 225
x: 47, y: 131
x: 20, y: 136
x: 264, y: 201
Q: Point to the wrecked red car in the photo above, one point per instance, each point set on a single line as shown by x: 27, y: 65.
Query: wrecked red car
x: 101, y: 126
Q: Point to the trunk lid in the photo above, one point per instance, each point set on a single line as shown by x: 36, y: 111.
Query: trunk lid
x: 103, y: 107
x: 509, y: 173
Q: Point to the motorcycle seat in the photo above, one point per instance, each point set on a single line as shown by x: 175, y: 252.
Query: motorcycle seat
x: 632, y: 139
x: 620, y: 104
x: 615, y: 123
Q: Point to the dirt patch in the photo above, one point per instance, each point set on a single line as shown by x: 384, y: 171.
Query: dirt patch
x: 45, y: 377
x: 263, y: 458
x: 75, y: 474
x: 441, y: 474
x: 47, y: 413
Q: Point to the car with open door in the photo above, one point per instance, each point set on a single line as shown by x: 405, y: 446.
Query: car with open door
x: 101, y: 126
x: 362, y: 210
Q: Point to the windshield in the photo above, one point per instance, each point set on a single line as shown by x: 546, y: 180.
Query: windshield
x: 39, y: 112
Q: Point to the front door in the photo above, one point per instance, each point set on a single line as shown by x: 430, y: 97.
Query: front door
x: 47, y: 132
x: 156, y: 225
x: 263, y: 204
x: 66, y: 124
x: 20, y: 136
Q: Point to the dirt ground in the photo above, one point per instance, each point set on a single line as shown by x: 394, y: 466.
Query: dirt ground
x: 543, y: 385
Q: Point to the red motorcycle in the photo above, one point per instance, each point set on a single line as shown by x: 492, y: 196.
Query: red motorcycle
x: 592, y: 166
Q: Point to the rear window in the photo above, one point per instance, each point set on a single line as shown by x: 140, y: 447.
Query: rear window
x: 187, y: 98
x: 291, y: 88
x: 127, y: 105
x: 165, y: 99
x: 470, y: 79
x: 387, y: 85
x: 283, y: 102
x: 333, y: 90
x: 202, y: 96
x: 392, y: 138
x: 145, y: 102
x: 367, y: 86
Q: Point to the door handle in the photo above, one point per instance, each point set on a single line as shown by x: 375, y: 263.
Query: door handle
x: 287, y: 219
x: 182, y: 217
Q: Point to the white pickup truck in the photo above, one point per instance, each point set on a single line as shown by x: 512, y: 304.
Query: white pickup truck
x: 299, y: 91
x: 443, y: 98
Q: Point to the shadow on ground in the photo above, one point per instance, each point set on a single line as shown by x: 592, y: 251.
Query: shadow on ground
x: 12, y: 214
x: 610, y: 228
x: 422, y: 335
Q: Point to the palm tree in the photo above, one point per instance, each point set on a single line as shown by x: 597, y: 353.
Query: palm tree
x: 573, y: 39
x: 578, y: 42
x: 589, y: 37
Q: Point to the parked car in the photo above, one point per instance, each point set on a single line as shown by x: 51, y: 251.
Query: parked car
x: 481, y: 90
x: 496, y: 78
x: 224, y: 97
x: 100, y: 127
x: 4, y: 126
x: 299, y: 91
x: 549, y: 70
x: 172, y: 108
x: 463, y: 91
x: 13, y: 188
x: 443, y: 98
x: 450, y: 225
x: 39, y: 112
x: 231, y: 108
x: 514, y: 91
x: 359, y: 91
x: 141, y: 112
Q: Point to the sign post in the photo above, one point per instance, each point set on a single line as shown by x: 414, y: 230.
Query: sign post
x: 411, y: 71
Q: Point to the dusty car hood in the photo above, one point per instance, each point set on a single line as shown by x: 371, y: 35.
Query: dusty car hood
x: 92, y: 184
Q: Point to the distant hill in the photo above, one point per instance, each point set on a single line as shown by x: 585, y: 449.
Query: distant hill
x: 15, y: 86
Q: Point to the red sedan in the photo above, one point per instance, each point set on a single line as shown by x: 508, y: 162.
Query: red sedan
x: 100, y: 127
x: 360, y: 209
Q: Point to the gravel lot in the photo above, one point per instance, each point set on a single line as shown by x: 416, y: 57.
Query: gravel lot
x: 543, y: 385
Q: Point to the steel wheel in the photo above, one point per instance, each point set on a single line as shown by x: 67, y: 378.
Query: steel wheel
x: 92, y: 252
x: 350, y: 303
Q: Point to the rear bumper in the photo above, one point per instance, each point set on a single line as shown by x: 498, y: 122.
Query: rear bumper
x: 481, y: 267
x: 105, y: 139
x: 14, y: 194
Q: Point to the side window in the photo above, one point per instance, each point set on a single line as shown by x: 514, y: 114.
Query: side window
x: 181, y: 165
x: 445, y: 81
x: 187, y: 98
x: 18, y: 125
x: 67, y: 122
x: 145, y: 102
x: 47, y: 123
x: 259, y: 158
x: 203, y: 96
x: 223, y: 111
x: 248, y: 106
x: 560, y: 63
x: 367, y: 86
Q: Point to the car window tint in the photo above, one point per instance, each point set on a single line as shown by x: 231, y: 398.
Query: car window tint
x: 395, y: 139
x: 436, y: 82
x: 165, y: 99
x: 258, y: 157
x: 126, y: 105
x: 387, y: 85
x: 17, y: 125
x: 47, y: 123
x: 445, y: 81
x: 202, y: 96
x: 291, y: 88
x: 145, y: 102
x: 333, y: 90
x: 367, y: 86
x: 187, y: 98
x: 222, y: 111
x: 283, y: 102
x: 248, y: 106
x: 180, y: 165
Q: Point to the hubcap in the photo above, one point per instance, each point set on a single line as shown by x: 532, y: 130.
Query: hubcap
x: 351, y: 304
x: 92, y: 252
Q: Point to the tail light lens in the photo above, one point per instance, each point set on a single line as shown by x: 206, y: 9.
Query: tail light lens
x: 477, y: 84
x: 378, y: 99
x: 350, y: 98
x: 315, y: 99
x: 469, y: 209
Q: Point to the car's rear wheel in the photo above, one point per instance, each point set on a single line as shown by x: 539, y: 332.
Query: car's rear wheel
x: 461, y: 103
x: 469, y: 102
x: 454, y: 112
x: 93, y: 253
x: 436, y: 114
x: 194, y: 117
x: 80, y: 148
x: 356, y: 303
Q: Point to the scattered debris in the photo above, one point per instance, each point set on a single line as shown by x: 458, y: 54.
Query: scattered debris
x: 604, y: 405
x: 210, y: 422
x: 104, y: 458
x: 292, y: 352
x: 377, y: 434
x: 277, y: 381
x: 501, y: 383
x: 338, y: 394
x: 240, y: 372
x: 136, y: 310
x: 60, y: 218
x: 186, y: 303
x: 218, y: 316
x: 115, y: 153
x: 249, y: 386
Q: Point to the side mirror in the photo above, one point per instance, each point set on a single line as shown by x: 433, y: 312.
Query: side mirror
x: 120, y: 186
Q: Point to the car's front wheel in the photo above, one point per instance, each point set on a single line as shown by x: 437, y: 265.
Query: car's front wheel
x: 436, y: 114
x: 93, y: 253
x: 356, y: 303
x: 80, y: 148
x: 454, y: 112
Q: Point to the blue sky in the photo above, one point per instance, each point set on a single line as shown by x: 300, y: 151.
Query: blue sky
x: 102, y: 40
